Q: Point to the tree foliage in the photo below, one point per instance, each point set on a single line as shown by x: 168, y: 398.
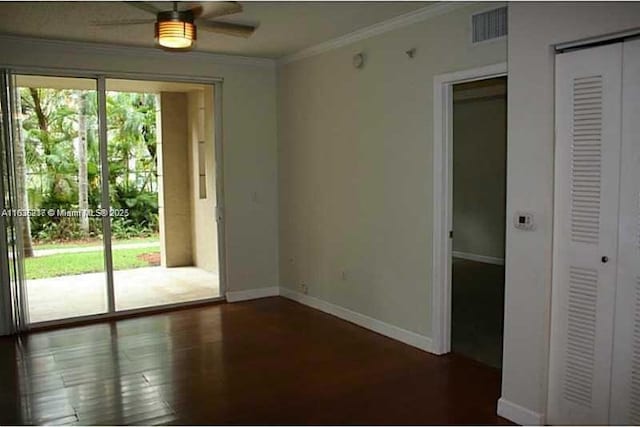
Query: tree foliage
x: 49, y: 120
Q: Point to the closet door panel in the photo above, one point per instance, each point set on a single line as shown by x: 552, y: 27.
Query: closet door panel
x: 625, y: 398
x: 588, y: 103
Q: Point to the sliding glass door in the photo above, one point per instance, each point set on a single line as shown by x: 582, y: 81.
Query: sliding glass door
x: 14, y: 314
x: 162, y: 187
x: 113, y: 196
x: 61, y: 186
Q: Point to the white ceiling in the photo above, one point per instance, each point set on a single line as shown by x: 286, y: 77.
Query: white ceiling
x: 284, y: 27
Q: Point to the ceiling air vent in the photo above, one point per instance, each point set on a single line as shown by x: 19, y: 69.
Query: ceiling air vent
x: 489, y: 25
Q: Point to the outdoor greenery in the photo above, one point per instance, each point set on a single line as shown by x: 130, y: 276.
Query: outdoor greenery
x: 64, y: 264
x: 95, y: 242
x: 61, y: 162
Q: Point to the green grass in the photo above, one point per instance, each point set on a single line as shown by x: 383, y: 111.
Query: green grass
x: 94, y: 242
x: 79, y: 263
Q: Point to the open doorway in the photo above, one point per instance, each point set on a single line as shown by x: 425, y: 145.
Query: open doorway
x: 152, y: 168
x: 479, y: 219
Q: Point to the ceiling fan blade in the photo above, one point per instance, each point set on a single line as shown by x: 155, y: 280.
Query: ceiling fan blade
x: 143, y: 5
x: 227, y: 28
x: 220, y: 8
x: 122, y: 22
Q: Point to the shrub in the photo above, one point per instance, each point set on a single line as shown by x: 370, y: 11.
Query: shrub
x: 141, y: 205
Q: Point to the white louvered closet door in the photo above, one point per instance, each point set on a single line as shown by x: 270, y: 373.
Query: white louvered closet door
x: 625, y: 380
x: 588, y: 140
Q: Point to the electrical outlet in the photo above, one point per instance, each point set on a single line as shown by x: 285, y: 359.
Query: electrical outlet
x: 345, y: 276
x: 304, y: 288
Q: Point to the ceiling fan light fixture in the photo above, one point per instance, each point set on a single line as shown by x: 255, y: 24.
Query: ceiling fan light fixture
x: 175, y: 30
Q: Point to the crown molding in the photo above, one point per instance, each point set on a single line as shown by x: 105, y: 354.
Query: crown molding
x: 137, y: 51
x: 401, y: 21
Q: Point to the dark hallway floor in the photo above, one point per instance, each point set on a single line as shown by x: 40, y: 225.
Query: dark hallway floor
x: 477, y: 311
x: 268, y: 361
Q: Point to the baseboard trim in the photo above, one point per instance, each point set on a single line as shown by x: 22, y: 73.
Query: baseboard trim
x: 411, y: 338
x: 236, y: 296
x: 519, y: 414
x: 478, y: 258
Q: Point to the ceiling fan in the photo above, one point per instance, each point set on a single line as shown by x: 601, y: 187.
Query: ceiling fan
x: 176, y: 29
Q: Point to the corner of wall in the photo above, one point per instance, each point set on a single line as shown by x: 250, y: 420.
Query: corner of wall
x: 249, y: 294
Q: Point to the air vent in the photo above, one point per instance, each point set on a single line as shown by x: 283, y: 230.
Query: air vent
x: 489, y: 25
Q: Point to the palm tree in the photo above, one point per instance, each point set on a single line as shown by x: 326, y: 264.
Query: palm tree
x: 21, y: 189
x: 83, y: 184
x: 49, y: 125
x: 132, y: 135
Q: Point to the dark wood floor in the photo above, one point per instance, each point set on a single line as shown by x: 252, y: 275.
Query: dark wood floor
x: 269, y: 361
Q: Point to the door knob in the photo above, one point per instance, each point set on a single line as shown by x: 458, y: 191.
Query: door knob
x: 605, y: 259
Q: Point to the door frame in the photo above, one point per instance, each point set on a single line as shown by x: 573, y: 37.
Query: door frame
x: 12, y: 295
x: 443, y: 196
x: 101, y: 77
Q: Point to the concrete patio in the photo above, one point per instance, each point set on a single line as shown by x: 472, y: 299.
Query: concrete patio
x: 85, y: 294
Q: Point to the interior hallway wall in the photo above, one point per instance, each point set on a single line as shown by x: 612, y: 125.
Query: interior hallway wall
x: 356, y: 167
x: 479, y: 171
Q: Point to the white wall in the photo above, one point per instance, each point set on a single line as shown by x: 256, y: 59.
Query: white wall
x: 249, y: 139
x: 479, y: 174
x: 356, y: 167
x: 533, y: 29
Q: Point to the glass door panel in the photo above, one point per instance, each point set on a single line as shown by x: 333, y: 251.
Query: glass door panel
x: 59, y: 182
x: 162, y: 193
